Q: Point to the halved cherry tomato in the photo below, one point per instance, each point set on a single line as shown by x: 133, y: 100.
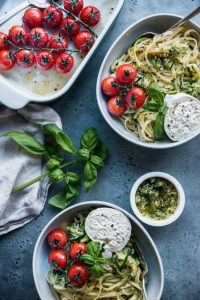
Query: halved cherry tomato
x: 4, y: 42
x: 90, y: 15
x: 110, y: 86
x: 7, y: 60
x: 70, y: 27
x: 116, y: 106
x: 25, y: 58
x: 44, y: 60
x: 126, y: 74
x: 39, y: 37
x: 18, y: 35
x: 84, y: 41
x: 52, y: 16
x: 57, y: 259
x: 74, y: 6
x: 78, y: 274
x: 135, y: 97
x: 57, y: 41
x: 77, y: 249
x: 57, y: 238
x: 33, y: 17
x: 64, y: 63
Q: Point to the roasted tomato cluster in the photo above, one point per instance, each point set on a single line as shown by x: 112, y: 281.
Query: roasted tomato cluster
x: 33, y: 45
x: 65, y: 256
x: 123, y: 91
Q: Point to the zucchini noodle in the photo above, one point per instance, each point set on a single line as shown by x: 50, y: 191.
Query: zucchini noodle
x: 172, y: 60
x: 122, y: 279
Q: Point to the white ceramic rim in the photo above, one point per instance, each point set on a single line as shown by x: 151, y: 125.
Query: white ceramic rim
x: 99, y: 101
x: 100, y: 203
x: 181, y: 203
x: 42, y: 99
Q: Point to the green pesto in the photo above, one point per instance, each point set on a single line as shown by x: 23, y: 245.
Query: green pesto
x: 157, y: 198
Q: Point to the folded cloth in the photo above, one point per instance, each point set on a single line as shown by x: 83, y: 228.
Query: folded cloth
x: 18, y: 167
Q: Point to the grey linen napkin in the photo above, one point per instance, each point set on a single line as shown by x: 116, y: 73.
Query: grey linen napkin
x: 17, y: 167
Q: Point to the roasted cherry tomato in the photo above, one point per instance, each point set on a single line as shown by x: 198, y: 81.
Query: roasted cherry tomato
x: 116, y: 106
x: 57, y: 238
x: 70, y: 27
x: 7, y: 60
x: 25, y: 58
x: 90, y: 15
x: 57, y: 41
x: 126, y: 74
x: 74, y: 6
x: 135, y: 97
x: 18, y: 35
x: 32, y: 17
x: 77, y: 249
x: 52, y: 16
x: 78, y: 274
x: 39, y: 37
x: 84, y: 41
x: 57, y: 259
x: 110, y: 86
x: 44, y: 60
x: 4, y: 42
x: 64, y: 63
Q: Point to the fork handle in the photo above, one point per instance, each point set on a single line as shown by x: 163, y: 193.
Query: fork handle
x: 13, y: 12
x: 188, y: 17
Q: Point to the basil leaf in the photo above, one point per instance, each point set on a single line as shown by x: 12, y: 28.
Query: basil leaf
x: 74, y: 189
x: 97, y: 270
x: 101, y: 150
x: 158, y: 130
x: 56, y: 175
x: 88, y: 259
x: 59, y: 200
x: 83, y: 155
x: 102, y: 260
x: 53, y: 163
x: 65, y: 143
x: 88, y: 184
x: 50, y: 129
x: 93, y: 248
x: 72, y: 177
x: 97, y: 160
x: 89, y: 139
x: 90, y: 171
x: 27, y: 142
x: 155, y: 99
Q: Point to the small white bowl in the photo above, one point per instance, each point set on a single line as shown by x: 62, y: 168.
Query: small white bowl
x: 148, y: 220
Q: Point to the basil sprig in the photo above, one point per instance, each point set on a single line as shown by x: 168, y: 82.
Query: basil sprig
x: 155, y: 103
x: 93, y: 260
x: 92, y: 154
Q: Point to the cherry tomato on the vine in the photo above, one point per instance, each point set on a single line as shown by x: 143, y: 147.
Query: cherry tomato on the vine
x: 135, y: 97
x: 90, y: 15
x: 57, y: 259
x: 39, y: 37
x: 57, y: 41
x: 4, y: 42
x: 64, y: 62
x: 70, y: 27
x: 52, y: 16
x: 7, y: 60
x: 78, y: 274
x: 18, y: 35
x: 44, y: 60
x: 57, y: 238
x: 116, y: 106
x: 77, y: 249
x: 74, y: 6
x: 126, y: 74
x: 110, y: 86
x: 25, y: 58
x: 84, y: 41
x: 33, y: 17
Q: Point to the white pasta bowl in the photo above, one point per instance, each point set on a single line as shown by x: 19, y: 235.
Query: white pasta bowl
x: 170, y: 219
x: 40, y: 264
x: 156, y: 23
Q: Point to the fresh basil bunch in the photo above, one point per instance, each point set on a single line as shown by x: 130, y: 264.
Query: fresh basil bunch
x: 155, y: 103
x: 91, y: 155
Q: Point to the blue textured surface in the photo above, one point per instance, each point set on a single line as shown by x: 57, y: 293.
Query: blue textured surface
x: 178, y: 243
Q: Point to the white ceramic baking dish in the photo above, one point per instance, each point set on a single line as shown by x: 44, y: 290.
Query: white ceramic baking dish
x: 19, y: 87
